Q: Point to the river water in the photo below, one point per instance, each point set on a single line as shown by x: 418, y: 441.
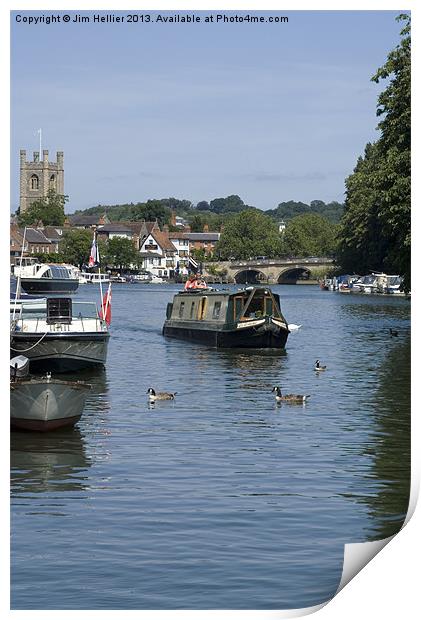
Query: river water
x: 220, y: 499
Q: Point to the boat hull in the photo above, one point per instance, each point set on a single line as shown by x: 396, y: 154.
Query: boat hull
x: 46, y: 404
x: 266, y: 335
x: 49, y: 285
x: 62, y: 352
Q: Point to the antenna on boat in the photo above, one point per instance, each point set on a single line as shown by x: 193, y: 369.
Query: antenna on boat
x: 17, y: 292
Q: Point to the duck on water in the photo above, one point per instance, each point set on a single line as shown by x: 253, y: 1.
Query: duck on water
x: 246, y: 318
x: 289, y: 398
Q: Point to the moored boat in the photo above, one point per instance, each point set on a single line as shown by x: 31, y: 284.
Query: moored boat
x: 42, y: 278
x: 43, y: 403
x: 63, y: 336
x: 246, y: 318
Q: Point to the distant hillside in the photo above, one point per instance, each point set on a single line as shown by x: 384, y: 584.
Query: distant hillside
x: 160, y: 209
x: 332, y: 211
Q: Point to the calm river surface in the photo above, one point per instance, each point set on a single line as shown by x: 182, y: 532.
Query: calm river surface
x: 220, y: 499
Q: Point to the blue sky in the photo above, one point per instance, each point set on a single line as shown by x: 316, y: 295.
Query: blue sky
x: 271, y: 112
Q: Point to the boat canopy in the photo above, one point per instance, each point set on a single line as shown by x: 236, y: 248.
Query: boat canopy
x: 57, y: 271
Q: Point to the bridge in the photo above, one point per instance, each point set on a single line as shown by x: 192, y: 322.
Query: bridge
x: 273, y: 270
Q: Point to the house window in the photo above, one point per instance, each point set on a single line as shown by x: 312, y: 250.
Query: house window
x: 34, y: 182
x: 181, y: 311
x: 52, y: 181
x: 216, y: 310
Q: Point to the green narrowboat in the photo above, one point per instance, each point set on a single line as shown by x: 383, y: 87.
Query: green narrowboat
x: 247, y: 318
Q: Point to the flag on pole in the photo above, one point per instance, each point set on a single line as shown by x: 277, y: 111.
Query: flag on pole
x: 105, y: 312
x: 94, y: 255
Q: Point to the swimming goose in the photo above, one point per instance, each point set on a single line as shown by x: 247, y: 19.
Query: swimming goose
x: 318, y: 367
x: 393, y: 332
x: 153, y: 396
x: 289, y: 398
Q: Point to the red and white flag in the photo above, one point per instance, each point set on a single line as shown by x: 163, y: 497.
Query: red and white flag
x: 105, y: 312
x: 94, y: 255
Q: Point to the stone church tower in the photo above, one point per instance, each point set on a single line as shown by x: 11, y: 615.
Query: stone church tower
x: 37, y: 177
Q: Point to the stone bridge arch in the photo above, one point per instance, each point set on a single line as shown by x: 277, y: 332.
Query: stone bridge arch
x: 290, y: 275
x: 250, y: 276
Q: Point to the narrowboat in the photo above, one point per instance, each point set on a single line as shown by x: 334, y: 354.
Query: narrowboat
x: 246, y: 318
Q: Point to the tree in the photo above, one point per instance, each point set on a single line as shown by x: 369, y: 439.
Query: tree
x: 49, y: 210
x: 394, y: 178
x: 309, y: 235
x: 375, y: 229
x: 121, y: 252
x: 76, y: 246
x: 250, y: 233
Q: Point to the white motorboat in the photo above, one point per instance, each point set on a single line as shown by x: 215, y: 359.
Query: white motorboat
x: 36, y: 277
x: 43, y: 403
x: 63, y: 336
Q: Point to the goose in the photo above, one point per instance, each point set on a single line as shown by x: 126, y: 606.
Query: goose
x: 289, y: 398
x: 153, y: 396
x: 318, y: 367
x: 393, y: 332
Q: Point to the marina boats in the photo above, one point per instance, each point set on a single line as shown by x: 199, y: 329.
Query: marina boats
x: 95, y: 278
x: 63, y: 336
x: 246, y: 318
x: 43, y: 278
x: 43, y: 403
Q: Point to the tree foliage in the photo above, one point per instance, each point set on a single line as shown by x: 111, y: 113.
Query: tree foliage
x: 75, y: 247
x: 309, y: 235
x: 332, y: 211
x: 375, y: 229
x: 120, y: 252
x: 49, y: 210
x: 247, y: 234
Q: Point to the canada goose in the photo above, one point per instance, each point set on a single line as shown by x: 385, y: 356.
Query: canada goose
x: 318, y: 367
x: 289, y: 398
x: 153, y: 396
x: 393, y: 332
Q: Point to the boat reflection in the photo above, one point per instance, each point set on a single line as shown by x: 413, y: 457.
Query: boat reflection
x: 50, y: 461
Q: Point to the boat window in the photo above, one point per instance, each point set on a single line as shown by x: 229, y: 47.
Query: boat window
x: 216, y: 310
x: 46, y: 274
x: 238, y: 307
x: 181, y: 311
x: 256, y: 307
x: 268, y: 306
x: 192, y: 308
x: 84, y: 309
x: 202, y: 308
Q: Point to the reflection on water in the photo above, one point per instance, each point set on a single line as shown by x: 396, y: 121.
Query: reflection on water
x: 391, y: 447
x: 48, y: 461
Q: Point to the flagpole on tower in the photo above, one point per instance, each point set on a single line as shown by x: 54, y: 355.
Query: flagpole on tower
x: 40, y: 141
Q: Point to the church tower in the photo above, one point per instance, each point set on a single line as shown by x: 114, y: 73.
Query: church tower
x: 38, y: 176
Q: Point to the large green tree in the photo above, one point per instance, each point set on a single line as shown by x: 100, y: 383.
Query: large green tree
x: 250, y: 233
x: 49, y: 210
x: 75, y: 246
x: 309, y: 235
x: 375, y: 229
x: 121, y: 253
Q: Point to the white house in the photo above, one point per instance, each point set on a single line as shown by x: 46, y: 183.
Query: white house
x: 158, y: 253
